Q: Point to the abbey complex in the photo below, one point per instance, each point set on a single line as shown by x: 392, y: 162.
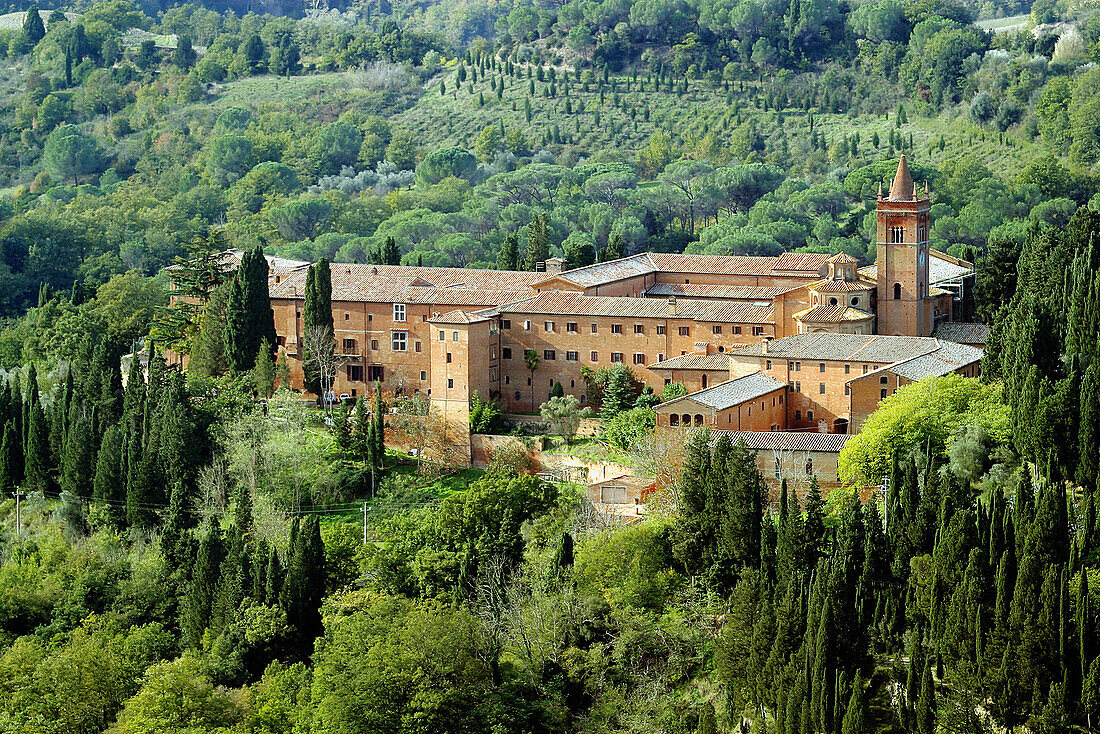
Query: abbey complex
x: 798, y: 342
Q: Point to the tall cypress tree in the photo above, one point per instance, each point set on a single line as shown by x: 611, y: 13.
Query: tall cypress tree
x: 378, y: 418
x: 33, y: 27
x: 78, y: 460
x: 317, y: 313
x: 199, y: 598
x: 37, y: 462
x: 508, y: 254
x: 303, y: 588
x: 11, y: 458
x: 538, y: 242
x: 248, y: 318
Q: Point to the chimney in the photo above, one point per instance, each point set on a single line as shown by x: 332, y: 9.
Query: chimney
x: 764, y: 344
x: 823, y: 426
x: 672, y: 311
x: 554, y: 265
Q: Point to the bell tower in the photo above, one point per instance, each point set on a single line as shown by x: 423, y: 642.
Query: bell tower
x: 904, y: 306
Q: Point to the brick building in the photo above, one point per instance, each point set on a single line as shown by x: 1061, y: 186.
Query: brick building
x: 701, y: 320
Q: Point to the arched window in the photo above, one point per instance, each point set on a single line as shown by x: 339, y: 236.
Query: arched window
x: 698, y: 419
x: 897, y: 291
x: 673, y: 419
x: 685, y: 419
x: 703, y: 382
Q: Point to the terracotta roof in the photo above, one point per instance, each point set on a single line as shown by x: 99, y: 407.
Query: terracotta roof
x: 842, y: 258
x: 443, y: 277
x: 732, y: 392
x: 727, y: 292
x: 875, y: 348
x: 840, y: 286
x: 569, y: 303
x: 963, y: 333
x: 628, y: 480
x: 832, y: 314
x: 805, y: 261
x: 694, y: 362
x: 787, y: 440
x: 401, y: 286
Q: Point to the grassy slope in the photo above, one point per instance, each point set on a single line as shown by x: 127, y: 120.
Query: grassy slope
x: 457, y: 118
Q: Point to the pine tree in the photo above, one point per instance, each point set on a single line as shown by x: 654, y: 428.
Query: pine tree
x: 614, y: 249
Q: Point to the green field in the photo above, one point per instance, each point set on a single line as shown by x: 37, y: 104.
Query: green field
x: 1002, y: 25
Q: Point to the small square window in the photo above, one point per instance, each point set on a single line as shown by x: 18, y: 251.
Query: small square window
x: 593, y: 356
x: 454, y: 336
x: 616, y: 356
x: 660, y: 328
x: 685, y: 331
x: 571, y: 327
x: 571, y: 356
x: 884, y: 380
x: 423, y: 375
x: 450, y: 383
x: 717, y: 328
x: 548, y: 326
x: 506, y: 352
x: 549, y: 354
x: 506, y: 323
x: 639, y: 329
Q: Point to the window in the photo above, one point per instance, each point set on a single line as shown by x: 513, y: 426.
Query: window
x: 399, y: 312
x: 737, y: 330
x: 855, y: 301
x: 809, y: 415
x: 864, y: 369
x: 897, y: 291
x: 616, y: 328
x: 847, y: 389
x: 423, y: 375
x: 549, y: 354
x: 517, y: 394
x: 355, y: 373
x: 660, y: 357
x: 347, y: 316
x: 884, y: 379
x: 450, y: 384
x: 639, y: 358
x: 442, y: 336
x: 896, y: 235
x: 594, y: 357
x: 639, y: 329
x: 375, y: 373
x: 616, y: 356
x: 454, y: 336
x: 847, y: 369
x: 594, y: 329
x: 448, y: 357
x: 507, y: 380
x: 374, y: 344
x: 280, y: 341
x: 922, y: 234
x: 570, y: 356
x: 703, y: 381
x: 832, y: 302
x: 797, y: 366
x: 349, y: 346
x: 882, y: 394
x: 798, y: 415
x: 417, y: 347
x: 548, y: 326
x: 821, y: 367
x: 821, y: 388
x: 797, y: 386
x: 506, y: 323
x: 660, y: 328
x: 571, y: 327
x: 506, y: 352
x: 685, y: 331
x: 400, y: 341
x: 674, y: 419
x: 717, y: 328
x: 768, y: 364
x: 758, y: 331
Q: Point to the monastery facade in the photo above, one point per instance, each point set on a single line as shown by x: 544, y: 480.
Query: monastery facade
x: 703, y: 320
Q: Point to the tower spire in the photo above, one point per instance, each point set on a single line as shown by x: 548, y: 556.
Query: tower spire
x: 902, y: 187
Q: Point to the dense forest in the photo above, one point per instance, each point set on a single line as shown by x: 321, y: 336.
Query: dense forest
x: 199, y: 551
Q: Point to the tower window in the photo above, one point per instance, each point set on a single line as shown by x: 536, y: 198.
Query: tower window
x: 897, y: 291
x: 897, y: 235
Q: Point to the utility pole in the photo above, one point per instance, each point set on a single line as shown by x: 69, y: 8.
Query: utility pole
x: 19, y: 497
x: 364, y: 522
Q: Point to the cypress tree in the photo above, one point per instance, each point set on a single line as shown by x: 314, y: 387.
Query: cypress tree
x: 926, y: 705
x: 303, y: 588
x: 508, y: 254
x: 37, y: 458
x: 108, y: 485
x: 390, y: 255
x: 378, y: 418
x: 341, y: 430
x: 361, y: 439
x: 263, y: 374
x: 317, y: 313
x: 273, y: 578
x: 78, y: 460
x: 1084, y: 622
x: 199, y: 597
x: 33, y: 27
x: 855, y: 716
x: 538, y: 242
x: 248, y: 317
